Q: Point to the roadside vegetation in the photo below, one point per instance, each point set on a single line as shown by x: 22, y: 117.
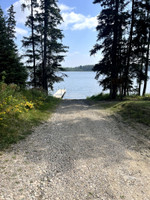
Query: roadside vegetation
x: 124, y: 54
x: 134, y: 108
x: 20, y: 111
x: 22, y: 108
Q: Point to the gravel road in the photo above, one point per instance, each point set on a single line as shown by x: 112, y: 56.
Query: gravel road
x: 80, y: 153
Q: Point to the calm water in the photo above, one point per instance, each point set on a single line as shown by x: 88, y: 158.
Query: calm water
x: 80, y: 85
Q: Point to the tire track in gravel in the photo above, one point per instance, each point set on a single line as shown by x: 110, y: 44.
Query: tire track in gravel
x: 80, y: 153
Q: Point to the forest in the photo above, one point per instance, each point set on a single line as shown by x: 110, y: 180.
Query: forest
x: 79, y: 147
x: 123, y: 39
x: 25, y: 79
x: 44, y: 50
x: 80, y: 68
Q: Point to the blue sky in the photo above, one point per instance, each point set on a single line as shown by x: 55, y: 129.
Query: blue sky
x: 78, y: 27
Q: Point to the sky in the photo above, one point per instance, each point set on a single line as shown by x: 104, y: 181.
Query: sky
x: 79, y: 28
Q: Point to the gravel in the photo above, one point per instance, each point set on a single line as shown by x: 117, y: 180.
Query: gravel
x: 81, y: 153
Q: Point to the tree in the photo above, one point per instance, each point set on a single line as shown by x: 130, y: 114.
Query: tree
x: 127, y: 68
x: 141, y: 43
x: 111, y: 28
x: 51, y: 47
x: 147, y: 6
x: 31, y: 41
x: 11, y: 24
x: 9, y: 60
x: 44, y: 46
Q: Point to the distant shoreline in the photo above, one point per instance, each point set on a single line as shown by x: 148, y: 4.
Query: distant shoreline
x: 76, y: 71
x: 85, y: 68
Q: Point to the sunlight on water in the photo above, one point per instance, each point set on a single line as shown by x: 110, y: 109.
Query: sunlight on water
x: 80, y: 85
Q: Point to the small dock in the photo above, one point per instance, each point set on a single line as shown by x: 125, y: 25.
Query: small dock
x: 60, y: 93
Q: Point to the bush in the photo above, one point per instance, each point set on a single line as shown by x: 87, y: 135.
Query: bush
x: 100, y: 97
x: 20, y: 110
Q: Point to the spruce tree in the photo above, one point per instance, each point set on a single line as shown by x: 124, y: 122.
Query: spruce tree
x: 111, y: 27
x: 31, y: 42
x: 52, y: 49
x: 147, y: 7
x: 140, y: 43
x: 10, y: 62
x: 127, y: 77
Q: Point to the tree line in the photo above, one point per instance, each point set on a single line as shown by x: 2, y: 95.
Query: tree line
x: 124, y: 40
x: 81, y: 68
x: 11, y: 67
x: 43, y: 46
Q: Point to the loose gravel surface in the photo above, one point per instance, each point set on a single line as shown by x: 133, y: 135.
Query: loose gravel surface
x: 81, y: 153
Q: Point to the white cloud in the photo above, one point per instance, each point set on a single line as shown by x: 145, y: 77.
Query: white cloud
x: 72, y: 20
x: 88, y: 22
x: 65, y: 8
x: 21, y: 31
x: 75, y: 21
x: 21, y: 16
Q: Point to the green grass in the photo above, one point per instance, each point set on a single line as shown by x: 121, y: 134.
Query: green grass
x: 16, y: 126
x: 133, y: 108
x: 99, y: 97
x: 133, y: 111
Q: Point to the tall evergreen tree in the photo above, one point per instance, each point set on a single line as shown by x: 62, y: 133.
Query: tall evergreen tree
x: 140, y: 43
x: 31, y: 41
x: 129, y: 50
x: 111, y: 27
x: 147, y: 7
x: 9, y: 59
x: 52, y: 50
x: 11, y: 24
x: 44, y: 47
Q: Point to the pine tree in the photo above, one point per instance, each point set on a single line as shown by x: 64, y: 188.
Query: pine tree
x: 129, y: 51
x: 147, y: 7
x: 140, y: 43
x: 31, y: 41
x: 9, y: 60
x: 111, y: 27
x: 51, y: 46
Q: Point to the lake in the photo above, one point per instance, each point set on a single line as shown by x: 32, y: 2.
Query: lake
x: 80, y: 85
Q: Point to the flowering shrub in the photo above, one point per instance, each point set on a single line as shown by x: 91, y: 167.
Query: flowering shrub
x: 14, y: 102
x: 20, y: 110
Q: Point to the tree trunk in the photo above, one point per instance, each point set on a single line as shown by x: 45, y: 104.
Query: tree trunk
x: 146, y: 68
x: 129, y: 50
x: 114, y: 73
x: 140, y: 79
x: 147, y: 58
x: 33, y: 43
x: 45, y: 87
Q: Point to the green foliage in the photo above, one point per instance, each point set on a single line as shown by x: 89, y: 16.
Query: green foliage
x: 100, y: 97
x: 10, y: 62
x: 133, y: 108
x: 124, y: 41
x: 45, y: 50
x: 20, y: 110
x: 112, y: 23
x: 136, y: 111
x: 137, y: 98
x: 31, y: 42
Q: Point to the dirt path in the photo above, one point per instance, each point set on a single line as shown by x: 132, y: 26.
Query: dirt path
x: 81, y: 153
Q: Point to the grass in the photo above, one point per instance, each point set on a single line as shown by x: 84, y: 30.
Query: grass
x: 132, y: 108
x: 137, y: 111
x: 20, y: 111
x: 99, y: 97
